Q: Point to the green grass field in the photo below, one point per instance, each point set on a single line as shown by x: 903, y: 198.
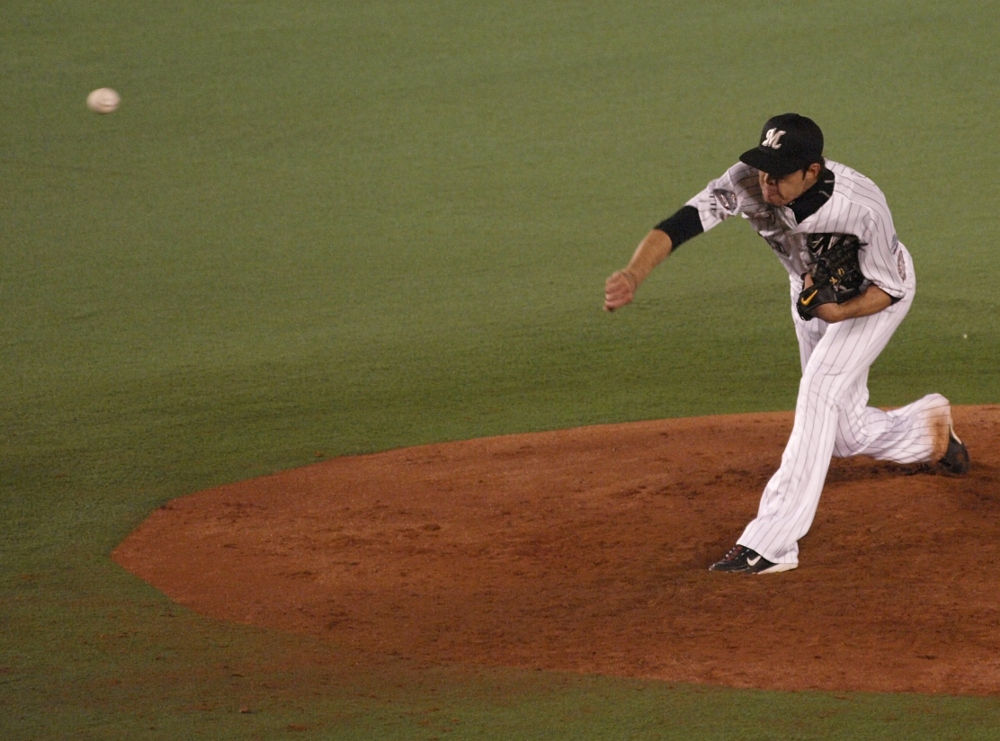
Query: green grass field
x: 345, y: 227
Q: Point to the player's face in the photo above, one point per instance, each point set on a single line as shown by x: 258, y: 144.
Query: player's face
x: 784, y: 190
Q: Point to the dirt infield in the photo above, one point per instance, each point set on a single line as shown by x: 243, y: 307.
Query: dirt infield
x: 587, y: 550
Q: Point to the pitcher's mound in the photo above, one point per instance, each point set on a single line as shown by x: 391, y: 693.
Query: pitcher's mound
x: 587, y: 550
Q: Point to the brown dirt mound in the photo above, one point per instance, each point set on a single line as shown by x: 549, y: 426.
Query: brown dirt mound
x: 587, y: 550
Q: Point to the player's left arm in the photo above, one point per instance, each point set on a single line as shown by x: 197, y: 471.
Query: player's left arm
x: 872, y: 301
x: 880, y: 267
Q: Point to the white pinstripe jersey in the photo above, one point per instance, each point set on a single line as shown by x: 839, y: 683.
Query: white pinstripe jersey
x: 856, y: 206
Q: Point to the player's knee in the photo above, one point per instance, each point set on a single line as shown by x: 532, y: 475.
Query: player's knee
x: 820, y: 385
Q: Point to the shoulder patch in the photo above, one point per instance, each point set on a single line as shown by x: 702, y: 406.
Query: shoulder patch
x: 725, y: 199
x: 901, y: 266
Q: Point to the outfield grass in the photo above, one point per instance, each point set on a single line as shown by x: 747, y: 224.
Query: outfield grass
x: 344, y: 227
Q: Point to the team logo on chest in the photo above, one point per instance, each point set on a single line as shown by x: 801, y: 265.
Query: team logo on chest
x: 772, y: 138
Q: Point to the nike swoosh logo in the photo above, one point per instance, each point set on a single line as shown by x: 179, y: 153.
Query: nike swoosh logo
x: 753, y: 561
x: 807, y: 301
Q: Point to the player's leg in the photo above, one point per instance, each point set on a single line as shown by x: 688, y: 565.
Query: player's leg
x: 836, y: 368
x: 809, y: 333
x: 916, y: 433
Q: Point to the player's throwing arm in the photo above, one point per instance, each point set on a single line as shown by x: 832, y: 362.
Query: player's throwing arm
x: 620, y: 287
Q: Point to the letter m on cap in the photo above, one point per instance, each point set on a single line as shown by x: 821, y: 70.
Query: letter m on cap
x: 772, y: 138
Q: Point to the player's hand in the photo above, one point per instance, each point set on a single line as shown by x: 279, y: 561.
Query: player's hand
x: 827, y: 312
x: 619, y: 290
x: 823, y: 311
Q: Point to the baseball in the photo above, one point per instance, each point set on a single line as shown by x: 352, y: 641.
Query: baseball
x: 103, y: 100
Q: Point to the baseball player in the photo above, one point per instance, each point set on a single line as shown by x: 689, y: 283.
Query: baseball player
x: 851, y: 284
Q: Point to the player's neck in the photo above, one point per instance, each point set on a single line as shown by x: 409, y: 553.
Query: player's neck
x: 813, y: 198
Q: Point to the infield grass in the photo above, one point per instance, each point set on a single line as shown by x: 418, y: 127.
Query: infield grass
x: 333, y: 228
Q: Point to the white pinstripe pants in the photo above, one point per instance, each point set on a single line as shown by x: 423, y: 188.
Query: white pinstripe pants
x: 832, y: 418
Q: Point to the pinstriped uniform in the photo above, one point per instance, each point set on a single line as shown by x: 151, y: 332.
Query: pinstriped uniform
x: 832, y: 416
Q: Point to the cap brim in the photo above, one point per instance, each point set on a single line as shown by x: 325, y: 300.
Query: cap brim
x: 771, y: 163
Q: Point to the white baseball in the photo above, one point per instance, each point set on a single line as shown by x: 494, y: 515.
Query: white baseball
x: 103, y: 100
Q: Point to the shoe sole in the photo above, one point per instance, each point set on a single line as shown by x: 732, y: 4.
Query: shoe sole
x: 777, y: 568
x: 773, y: 569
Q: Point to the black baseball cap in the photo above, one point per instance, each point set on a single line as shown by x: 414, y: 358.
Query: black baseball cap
x: 788, y: 142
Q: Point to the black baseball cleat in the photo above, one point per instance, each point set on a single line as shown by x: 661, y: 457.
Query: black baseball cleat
x: 743, y: 560
x: 956, y: 458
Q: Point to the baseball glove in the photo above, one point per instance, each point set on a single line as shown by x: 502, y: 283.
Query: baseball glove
x: 836, y: 273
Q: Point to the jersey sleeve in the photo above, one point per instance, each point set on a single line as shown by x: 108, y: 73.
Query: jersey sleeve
x: 881, y: 261
x: 722, y: 198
